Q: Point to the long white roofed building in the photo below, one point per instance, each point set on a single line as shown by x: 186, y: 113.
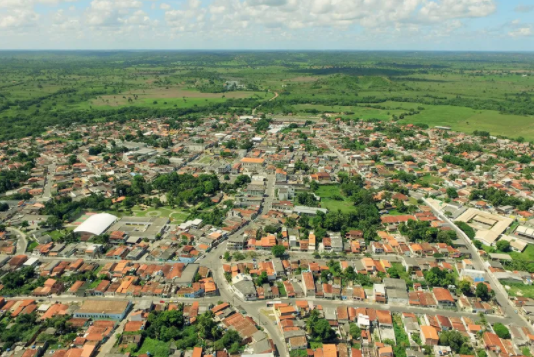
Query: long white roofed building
x: 95, y: 225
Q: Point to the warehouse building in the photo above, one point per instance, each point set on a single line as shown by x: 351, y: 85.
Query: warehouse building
x: 98, y: 309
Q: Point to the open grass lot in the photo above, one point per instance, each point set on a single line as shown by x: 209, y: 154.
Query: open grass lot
x: 521, y: 290
x: 177, y: 216
x: 154, y: 348
x: 468, y: 120
x: 466, y: 91
x: 165, y: 98
x: 527, y: 254
x: 430, y: 180
x: 328, y: 201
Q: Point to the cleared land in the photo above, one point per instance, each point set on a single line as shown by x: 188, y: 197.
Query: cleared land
x: 161, y: 94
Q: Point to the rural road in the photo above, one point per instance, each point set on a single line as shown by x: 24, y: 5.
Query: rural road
x: 273, y: 98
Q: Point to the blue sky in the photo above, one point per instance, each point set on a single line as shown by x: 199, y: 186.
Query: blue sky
x: 468, y: 25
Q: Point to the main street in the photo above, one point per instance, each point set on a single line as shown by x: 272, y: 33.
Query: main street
x: 500, y: 295
x: 49, y: 181
x: 22, y: 241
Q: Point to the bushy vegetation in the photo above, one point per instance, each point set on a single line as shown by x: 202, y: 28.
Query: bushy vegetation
x: 39, y: 90
x: 21, y: 282
x: 171, y: 326
x: 466, y: 228
x: 500, y: 198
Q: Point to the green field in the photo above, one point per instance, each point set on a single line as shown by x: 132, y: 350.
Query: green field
x: 521, y: 290
x: 327, y: 192
x: 466, y: 91
x: 527, y: 254
x: 175, y: 214
x: 429, y: 180
x: 154, y: 347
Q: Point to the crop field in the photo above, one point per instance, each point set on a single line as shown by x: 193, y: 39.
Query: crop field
x: 466, y: 91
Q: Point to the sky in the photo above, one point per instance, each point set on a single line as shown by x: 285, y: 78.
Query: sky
x: 448, y: 25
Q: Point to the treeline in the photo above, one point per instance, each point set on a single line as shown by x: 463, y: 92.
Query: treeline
x: 464, y: 164
x: 24, y: 104
x: 500, y: 198
x: 187, y: 188
x: 364, y: 215
x: 172, y: 326
x: 22, y: 125
x: 10, y: 180
x: 64, y: 208
x: 517, y: 105
x: 421, y: 231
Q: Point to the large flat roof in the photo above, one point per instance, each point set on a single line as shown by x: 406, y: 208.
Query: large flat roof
x: 103, y: 307
x: 498, y: 224
x: 96, y: 224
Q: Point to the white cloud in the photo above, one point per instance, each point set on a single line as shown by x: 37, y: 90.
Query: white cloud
x: 18, y: 18
x: 340, y: 14
x: 248, y: 23
x: 521, y: 32
x: 109, y: 12
x: 268, y: 2
x: 455, y: 9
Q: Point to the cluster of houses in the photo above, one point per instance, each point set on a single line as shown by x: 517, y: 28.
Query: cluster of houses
x: 115, y: 279
x: 378, y: 334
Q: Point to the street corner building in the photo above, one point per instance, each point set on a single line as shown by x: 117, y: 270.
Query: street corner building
x: 102, y: 309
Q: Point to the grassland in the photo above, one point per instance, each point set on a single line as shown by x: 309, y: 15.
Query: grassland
x: 333, y: 200
x: 154, y: 347
x: 466, y: 91
x: 176, y: 215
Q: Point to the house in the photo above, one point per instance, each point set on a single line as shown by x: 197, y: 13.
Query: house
x: 386, y: 351
x: 298, y: 343
x: 51, y: 286
x: 429, y: 335
x: 252, y: 164
x: 322, y: 177
x: 245, y: 290
x: 308, y: 283
x: 443, y: 297
x: 380, y: 293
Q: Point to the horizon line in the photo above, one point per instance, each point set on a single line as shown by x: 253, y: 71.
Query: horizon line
x: 265, y: 50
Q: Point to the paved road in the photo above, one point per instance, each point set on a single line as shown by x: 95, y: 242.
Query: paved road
x: 49, y: 181
x: 106, y: 348
x: 22, y: 241
x: 227, y: 293
x: 500, y: 295
x: 83, y: 160
x: 212, y: 300
x: 252, y: 308
x: 341, y: 157
x: 268, y: 201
